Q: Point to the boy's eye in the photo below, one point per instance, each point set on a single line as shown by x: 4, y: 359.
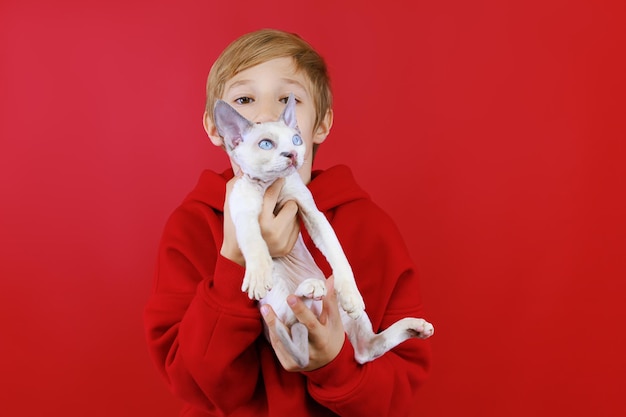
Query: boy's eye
x: 285, y: 99
x: 243, y: 100
x: 266, y: 144
x: 297, y: 140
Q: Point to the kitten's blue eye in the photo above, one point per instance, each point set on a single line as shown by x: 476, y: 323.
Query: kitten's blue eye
x: 266, y: 144
x: 297, y: 140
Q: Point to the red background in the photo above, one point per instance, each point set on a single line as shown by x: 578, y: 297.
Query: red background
x: 492, y: 131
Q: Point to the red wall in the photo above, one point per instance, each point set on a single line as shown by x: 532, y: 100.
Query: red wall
x: 492, y: 131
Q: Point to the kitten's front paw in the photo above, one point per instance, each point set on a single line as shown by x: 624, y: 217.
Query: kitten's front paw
x: 257, y: 281
x: 314, y: 289
x: 421, y: 328
x: 350, y: 299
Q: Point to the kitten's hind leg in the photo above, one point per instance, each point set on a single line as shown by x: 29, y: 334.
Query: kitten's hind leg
x: 297, y: 343
x: 413, y: 327
x: 369, y: 346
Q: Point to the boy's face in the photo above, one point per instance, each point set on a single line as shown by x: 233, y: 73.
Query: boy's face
x: 260, y: 93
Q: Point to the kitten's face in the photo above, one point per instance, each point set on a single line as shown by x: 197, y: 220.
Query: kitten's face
x: 264, y: 151
x: 269, y: 151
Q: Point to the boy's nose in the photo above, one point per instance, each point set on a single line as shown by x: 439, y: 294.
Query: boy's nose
x: 266, y: 118
x: 268, y: 113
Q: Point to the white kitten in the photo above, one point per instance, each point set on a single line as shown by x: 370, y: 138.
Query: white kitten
x: 266, y: 152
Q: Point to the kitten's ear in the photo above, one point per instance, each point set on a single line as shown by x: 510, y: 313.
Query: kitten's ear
x: 229, y: 123
x: 289, y: 112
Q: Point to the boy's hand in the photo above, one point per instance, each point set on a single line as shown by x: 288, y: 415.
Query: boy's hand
x: 280, y: 226
x: 326, y: 333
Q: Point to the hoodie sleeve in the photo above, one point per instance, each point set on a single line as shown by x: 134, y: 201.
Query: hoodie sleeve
x: 201, y: 328
x: 383, y: 387
x: 390, y: 287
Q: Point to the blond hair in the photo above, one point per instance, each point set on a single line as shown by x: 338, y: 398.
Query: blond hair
x: 264, y: 45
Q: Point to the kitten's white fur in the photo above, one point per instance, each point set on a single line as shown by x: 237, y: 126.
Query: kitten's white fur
x: 271, y: 280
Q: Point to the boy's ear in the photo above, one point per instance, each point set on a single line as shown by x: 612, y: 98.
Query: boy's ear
x: 211, y: 130
x: 323, y: 129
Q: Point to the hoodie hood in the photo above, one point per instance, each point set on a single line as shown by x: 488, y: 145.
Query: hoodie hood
x: 330, y: 188
x: 334, y: 187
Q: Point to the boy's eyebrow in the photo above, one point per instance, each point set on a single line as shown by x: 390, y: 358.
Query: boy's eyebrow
x: 239, y: 82
x: 296, y: 83
x: 289, y: 81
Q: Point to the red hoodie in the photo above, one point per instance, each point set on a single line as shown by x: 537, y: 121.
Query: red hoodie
x: 206, y: 336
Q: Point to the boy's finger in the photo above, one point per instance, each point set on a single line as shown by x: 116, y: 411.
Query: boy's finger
x: 272, y: 193
x: 303, y: 313
x: 269, y: 316
x: 274, y: 325
x: 288, y: 211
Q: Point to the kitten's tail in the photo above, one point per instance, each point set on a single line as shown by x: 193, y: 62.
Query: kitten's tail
x: 297, y: 344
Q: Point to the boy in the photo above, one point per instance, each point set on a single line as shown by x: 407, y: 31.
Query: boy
x: 206, y: 335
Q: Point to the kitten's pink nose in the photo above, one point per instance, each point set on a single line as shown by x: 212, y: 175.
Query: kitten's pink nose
x: 291, y: 155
